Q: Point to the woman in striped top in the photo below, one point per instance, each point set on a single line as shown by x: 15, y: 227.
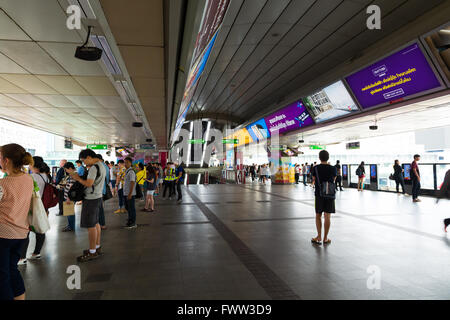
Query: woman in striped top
x: 16, y: 190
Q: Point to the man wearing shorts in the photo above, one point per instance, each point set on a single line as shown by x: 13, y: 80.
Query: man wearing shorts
x: 93, y: 195
x: 323, y: 173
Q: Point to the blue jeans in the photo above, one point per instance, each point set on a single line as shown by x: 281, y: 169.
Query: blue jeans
x: 415, y: 188
x: 304, y: 179
x: 131, y: 208
x: 11, y: 282
x: 121, y: 198
x: 101, y: 216
x: 71, y: 221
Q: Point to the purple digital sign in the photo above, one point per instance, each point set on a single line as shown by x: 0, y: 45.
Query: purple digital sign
x: 402, y: 74
x: 292, y: 117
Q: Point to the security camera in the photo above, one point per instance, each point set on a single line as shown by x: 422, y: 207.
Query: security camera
x: 149, y: 140
x: 373, y: 127
x: 301, y: 141
x: 137, y: 124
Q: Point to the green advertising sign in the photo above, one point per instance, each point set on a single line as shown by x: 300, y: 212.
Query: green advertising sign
x: 97, y: 146
x: 230, y: 141
x: 314, y: 147
x: 197, y: 141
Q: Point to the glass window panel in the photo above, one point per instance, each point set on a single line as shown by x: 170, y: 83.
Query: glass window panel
x: 441, y: 170
x: 426, y: 176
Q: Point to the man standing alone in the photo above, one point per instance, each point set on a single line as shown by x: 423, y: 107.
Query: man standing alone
x: 415, y: 177
x: 338, y: 175
x: 129, y: 193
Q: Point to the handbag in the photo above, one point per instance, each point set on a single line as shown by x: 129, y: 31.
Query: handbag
x: 391, y: 177
x: 108, y: 195
x: 327, y: 189
x: 37, y: 216
x: 139, y: 193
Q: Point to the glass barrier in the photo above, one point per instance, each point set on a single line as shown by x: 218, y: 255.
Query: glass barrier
x: 441, y: 170
x: 354, y: 176
x: 384, y: 171
x: 426, y: 176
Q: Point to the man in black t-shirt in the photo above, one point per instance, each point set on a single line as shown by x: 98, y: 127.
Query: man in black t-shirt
x: 323, y: 173
x: 338, y: 175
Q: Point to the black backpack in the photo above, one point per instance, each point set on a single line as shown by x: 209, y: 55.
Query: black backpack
x: 76, y: 192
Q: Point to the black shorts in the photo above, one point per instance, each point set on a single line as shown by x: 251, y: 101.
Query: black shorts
x: 325, y: 205
x: 90, y: 213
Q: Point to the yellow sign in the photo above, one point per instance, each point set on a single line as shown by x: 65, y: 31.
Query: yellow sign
x: 242, y: 136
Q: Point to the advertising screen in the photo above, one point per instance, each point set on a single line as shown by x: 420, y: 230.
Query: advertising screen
x: 292, y: 117
x: 407, y: 173
x: 404, y: 73
x: 258, y: 130
x: 331, y: 102
x: 344, y: 170
x: 373, y: 171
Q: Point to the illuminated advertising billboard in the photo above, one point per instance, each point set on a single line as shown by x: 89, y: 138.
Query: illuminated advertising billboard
x: 403, y: 74
x: 258, y: 130
x: 330, y: 103
x: 292, y: 117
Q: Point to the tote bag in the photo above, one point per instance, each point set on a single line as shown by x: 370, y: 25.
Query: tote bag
x: 37, y: 218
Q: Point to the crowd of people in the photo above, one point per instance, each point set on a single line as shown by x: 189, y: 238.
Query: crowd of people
x: 91, y: 181
x: 87, y: 184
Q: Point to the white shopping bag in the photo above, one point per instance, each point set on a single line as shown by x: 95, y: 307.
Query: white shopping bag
x: 37, y: 217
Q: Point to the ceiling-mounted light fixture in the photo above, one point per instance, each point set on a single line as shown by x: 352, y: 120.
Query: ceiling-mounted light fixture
x: 374, y: 127
x: 88, y: 53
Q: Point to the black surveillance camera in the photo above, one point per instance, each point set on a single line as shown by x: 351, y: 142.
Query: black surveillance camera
x: 88, y: 53
x: 149, y: 140
x: 301, y: 141
x: 137, y: 124
x: 373, y: 127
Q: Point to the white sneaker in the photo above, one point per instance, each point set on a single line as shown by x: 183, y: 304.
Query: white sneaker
x: 35, y: 257
x: 22, y: 262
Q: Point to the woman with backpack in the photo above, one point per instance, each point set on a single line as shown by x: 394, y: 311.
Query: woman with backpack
x: 361, y: 173
x: 41, y: 175
x: 398, y: 176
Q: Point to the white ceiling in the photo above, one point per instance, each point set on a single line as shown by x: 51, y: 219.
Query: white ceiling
x: 44, y: 86
x: 431, y: 113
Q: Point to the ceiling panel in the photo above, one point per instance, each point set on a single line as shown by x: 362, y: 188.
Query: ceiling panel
x: 128, y: 20
x: 249, y: 11
x: 64, y: 84
x: 29, y: 100
x: 8, y: 102
x: 9, y: 66
x: 148, y: 87
x: 144, y: 61
x: 42, y: 20
x: 295, y: 10
x: 84, y: 101
x: 30, y: 56
x: 9, y: 30
x: 30, y: 83
x: 57, y: 101
x: 64, y: 53
x: 8, y: 87
x: 97, y: 86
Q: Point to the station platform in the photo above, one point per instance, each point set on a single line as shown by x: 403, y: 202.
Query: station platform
x: 254, y: 242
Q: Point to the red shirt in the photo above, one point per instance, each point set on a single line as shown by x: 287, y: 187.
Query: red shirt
x: 414, y: 165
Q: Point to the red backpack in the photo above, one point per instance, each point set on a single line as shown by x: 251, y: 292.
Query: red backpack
x: 49, y: 196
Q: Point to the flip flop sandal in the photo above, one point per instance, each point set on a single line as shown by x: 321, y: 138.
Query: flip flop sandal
x: 316, y: 242
x: 327, y: 242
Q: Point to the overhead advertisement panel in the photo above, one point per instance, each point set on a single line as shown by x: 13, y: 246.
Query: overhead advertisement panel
x: 241, y: 137
x: 212, y: 20
x: 292, y: 117
x: 404, y: 74
x: 258, y: 130
x: 330, y: 103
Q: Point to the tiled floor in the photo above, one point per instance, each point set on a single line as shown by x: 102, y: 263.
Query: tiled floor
x: 253, y: 242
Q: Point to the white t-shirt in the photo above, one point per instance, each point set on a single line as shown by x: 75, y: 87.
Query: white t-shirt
x: 40, y: 181
x: 98, y: 183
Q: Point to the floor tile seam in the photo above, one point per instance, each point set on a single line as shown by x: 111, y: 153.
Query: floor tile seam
x: 232, y: 240
x: 421, y: 233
